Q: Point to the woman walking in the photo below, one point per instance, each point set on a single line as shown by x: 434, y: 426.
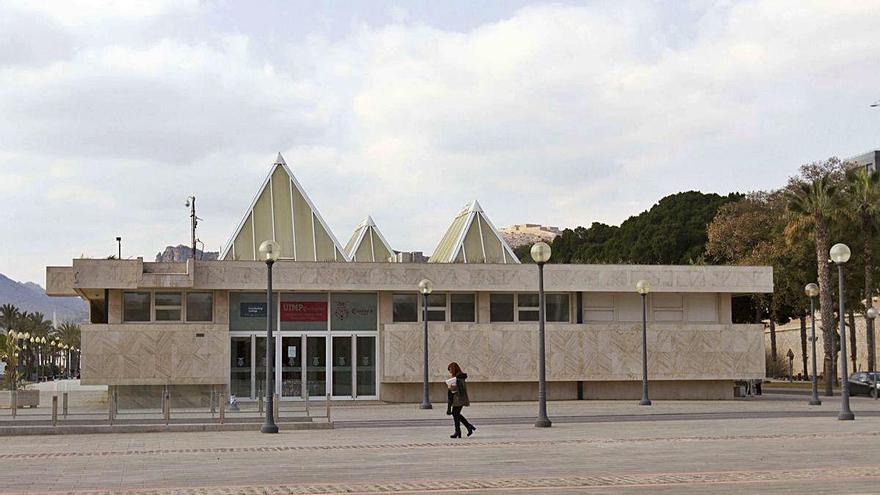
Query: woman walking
x: 457, y: 398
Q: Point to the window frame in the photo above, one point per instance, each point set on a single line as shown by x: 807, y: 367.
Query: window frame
x: 517, y: 307
x: 149, y: 310
x: 418, y: 307
x: 154, y: 307
x: 186, y: 295
x: 474, y: 303
x: 164, y: 307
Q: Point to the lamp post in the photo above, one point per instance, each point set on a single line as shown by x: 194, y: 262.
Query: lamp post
x: 118, y: 247
x: 871, y: 315
x: 840, y: 254
x: 67, y: 360
x: 269, y: 251
x: 643, y: 287
x: 43, y: 356
x: 541, y: 254
x: 812, y: 290
x: 425, y: 288
x: 22, y: 345
x: 16, y: 352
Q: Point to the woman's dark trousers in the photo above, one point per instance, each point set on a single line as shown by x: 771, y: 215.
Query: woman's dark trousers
x: 460, y: 420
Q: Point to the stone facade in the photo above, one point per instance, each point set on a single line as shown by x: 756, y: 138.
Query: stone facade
x: 694, y: 349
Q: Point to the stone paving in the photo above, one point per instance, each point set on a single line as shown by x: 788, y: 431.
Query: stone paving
x: 813, y: 455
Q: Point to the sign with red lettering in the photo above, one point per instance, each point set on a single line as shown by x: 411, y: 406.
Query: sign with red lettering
x: 303, y: 310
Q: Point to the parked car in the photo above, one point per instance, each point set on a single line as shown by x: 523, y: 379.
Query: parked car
x: 863, y: 383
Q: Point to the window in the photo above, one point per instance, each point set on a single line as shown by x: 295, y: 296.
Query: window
x: 667, y: 307
x: 353, y: 312
x: 436, y: 307
x: 200, y: 306
x: 168, y: 306
x: 598, y: 306
x: 247, y: 311
x: 136, y: 306
x: 405, y: 308
x: 462, y: 307
x: 556, y: 306
x: 500, y: 308
x: 528, y: 307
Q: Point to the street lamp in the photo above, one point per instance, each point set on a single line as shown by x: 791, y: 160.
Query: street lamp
x: 643, y: 287
x: 118, y: 247
x: 269, y: 252
x: 541, y: 254
x: 871, y: 315
x: 840, y: 254
x: 425, y: 288
x: 812, y: 290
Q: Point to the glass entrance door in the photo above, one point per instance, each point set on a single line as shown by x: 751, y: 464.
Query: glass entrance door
x: 353, y: 366
x: 316, y: 366
x: 291, y: 359
x: 342, y: 367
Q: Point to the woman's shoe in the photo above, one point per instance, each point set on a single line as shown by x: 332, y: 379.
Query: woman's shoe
x: 457, y: 435
x: 471, y: 430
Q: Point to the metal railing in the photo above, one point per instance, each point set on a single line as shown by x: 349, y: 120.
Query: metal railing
x: 63, y: 403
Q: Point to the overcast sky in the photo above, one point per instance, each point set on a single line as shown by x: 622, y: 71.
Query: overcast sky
x: 112, y: 113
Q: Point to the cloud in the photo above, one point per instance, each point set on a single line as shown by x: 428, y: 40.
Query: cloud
x: 554, y: 114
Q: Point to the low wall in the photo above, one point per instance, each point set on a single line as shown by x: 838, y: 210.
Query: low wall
x: 528, y: 391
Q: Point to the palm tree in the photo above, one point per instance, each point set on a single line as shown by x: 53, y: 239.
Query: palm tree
x: 9, y: 316
x: 862, y: 190
x: 69, y: 333
x: 811, y: 205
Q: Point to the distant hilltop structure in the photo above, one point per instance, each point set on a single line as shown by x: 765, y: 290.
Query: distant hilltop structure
x: 528, y: 233
x: 182, y: 253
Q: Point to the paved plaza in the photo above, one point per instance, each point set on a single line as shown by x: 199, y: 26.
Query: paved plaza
x: 773, y: 444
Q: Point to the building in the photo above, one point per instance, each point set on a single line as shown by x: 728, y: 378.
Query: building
x: 868, y: 160
x: 522, y: 234
x: 349, y: 322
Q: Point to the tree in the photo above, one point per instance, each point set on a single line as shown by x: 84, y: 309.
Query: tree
x: 69, y: 333
x: 9, y: 316
x: 811, y: 206
x: 750, y: 232
x: 672, y: 232
x: 862, y: 196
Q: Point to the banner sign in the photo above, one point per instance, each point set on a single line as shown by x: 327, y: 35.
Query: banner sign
x: 252, y: 310
x: 303, y: 311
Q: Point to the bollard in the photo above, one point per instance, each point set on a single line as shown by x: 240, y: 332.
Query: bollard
x: 167, y: 405
x: 223, y: 410
x: 14, y: 403
x: 54, y: 410
x: 306, y: 398
x: 213, y: 400
x: 276, y: 406
x: 328, y: 408
x: 64, y: 405
x: 110, y: 400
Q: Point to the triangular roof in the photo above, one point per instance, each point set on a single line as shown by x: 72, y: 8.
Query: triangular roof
x: 472, y: 238
x: 367, y: 243
x: 282, y: 211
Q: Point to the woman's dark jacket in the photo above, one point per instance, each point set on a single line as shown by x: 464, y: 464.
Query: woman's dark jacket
x: 458, y: 397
